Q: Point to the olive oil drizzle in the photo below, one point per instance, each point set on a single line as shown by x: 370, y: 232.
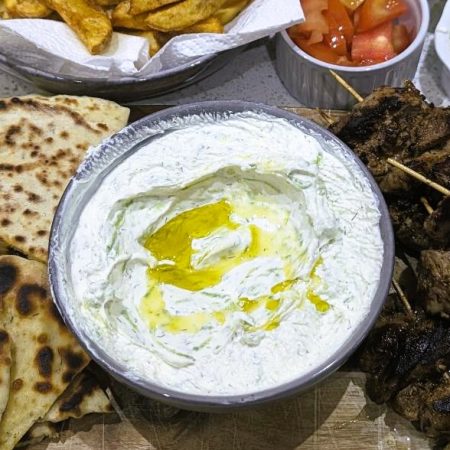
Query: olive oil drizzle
x: 171, y: 245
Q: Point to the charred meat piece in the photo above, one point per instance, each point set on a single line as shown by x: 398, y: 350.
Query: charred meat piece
x: 408, y: 401
x: 437, y: 224
x: 408, y: 217
x: 427, y: 404
x: 435, y: 412
x: 401, y: 352
x: 434, y: 281
x: 396, y: 122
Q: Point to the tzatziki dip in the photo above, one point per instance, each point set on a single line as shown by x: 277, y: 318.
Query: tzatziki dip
x: 231, y: 254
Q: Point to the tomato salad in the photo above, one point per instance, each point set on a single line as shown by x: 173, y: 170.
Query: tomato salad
x: 352, y: 32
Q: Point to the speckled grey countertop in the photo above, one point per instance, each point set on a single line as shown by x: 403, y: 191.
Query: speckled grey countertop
x: 251, y: 76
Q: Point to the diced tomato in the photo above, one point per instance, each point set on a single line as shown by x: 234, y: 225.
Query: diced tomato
x: 315, y: 37
x: 400, y: 38
x: 335, y: 39
x: 328, y: 32
x: 374, y: 45
x: 319, y: 51
x: 337, y: 11
x: 377, y: 12
x: 351, y: 4
x: 356, y: 16
x: 314, y: 19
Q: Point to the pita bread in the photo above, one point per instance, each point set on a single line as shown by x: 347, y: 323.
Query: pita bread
x: 45, y: 355
x: 42, y: 141
x: 39, y: 432
x: 83, y: 396
x: 5, y: 367
x: 3, y: 248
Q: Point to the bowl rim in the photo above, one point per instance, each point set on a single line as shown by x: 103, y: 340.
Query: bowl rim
x: 219, y: 403
x: 441, y: 36
x: 417, y: 42
x: 21, y: 66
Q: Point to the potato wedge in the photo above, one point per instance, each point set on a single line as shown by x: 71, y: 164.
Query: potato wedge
x: 26, y: 8
x: 183, y: 14
x: 122, y: 18
x: 209, y: 25
x: 89, y: 22
x: 230, y: 10
x: 141, y: 6
x: 107, y: 2
x: 152, y: 37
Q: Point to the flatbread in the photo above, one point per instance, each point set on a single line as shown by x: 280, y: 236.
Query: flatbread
x: 84, y: 396
x: 42, y: 141
x: 39, y: 432
x: 5, y: 367
x: 45, y: 356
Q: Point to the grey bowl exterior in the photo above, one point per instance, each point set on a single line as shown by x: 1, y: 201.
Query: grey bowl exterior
x: 111, y: 153
x: 309, y: 81
x: 126, y: 89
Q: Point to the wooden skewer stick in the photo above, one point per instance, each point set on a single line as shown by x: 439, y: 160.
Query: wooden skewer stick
x: 325, y: 116
x: 427, y: 205
x: 343, y: 83
x: 403, y: 298
x: 419, y: 177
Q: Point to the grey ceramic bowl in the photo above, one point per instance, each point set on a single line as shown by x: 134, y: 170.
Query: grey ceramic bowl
x: 113, y: 152
x: 309, y: 81
x: 126, y: 89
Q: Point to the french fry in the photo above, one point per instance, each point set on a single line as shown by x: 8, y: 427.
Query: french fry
x: 89, y: 22
x: 210, y: 25
x: 122, y: 18
x: 26, y: 8
x: 153, y: 38
x: 141, y: 6
x: 182, y: 15
x: 230, y: 10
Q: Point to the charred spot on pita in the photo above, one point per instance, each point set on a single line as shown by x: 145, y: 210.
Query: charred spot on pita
x: 8, y: 167
x: 8, y: 276
x: 4, y: 337
x: 85, y: 389
x: 17, y: 384
x: 10, y: 133
x: 42, y: 338
x: 36, y: 130
x: 103, y: 126
x: 43, y: 387
x: 33, y: 197
x: 25, y: 302
x: 73, y: 360
x: 68, y: 376
x: 5, y: 222
x: 44, y: 361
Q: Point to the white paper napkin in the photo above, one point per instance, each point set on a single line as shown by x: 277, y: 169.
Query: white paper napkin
x: 53, y: 46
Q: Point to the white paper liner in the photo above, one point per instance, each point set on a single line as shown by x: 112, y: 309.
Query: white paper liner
x: 52, y: 46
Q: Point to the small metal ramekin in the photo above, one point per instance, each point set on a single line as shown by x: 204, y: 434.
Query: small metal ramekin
x: 309, y: 81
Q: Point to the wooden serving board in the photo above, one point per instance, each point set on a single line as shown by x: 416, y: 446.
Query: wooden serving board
x: 336, y: 414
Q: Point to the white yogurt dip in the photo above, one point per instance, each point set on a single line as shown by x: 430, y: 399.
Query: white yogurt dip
x: 230, y: 255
